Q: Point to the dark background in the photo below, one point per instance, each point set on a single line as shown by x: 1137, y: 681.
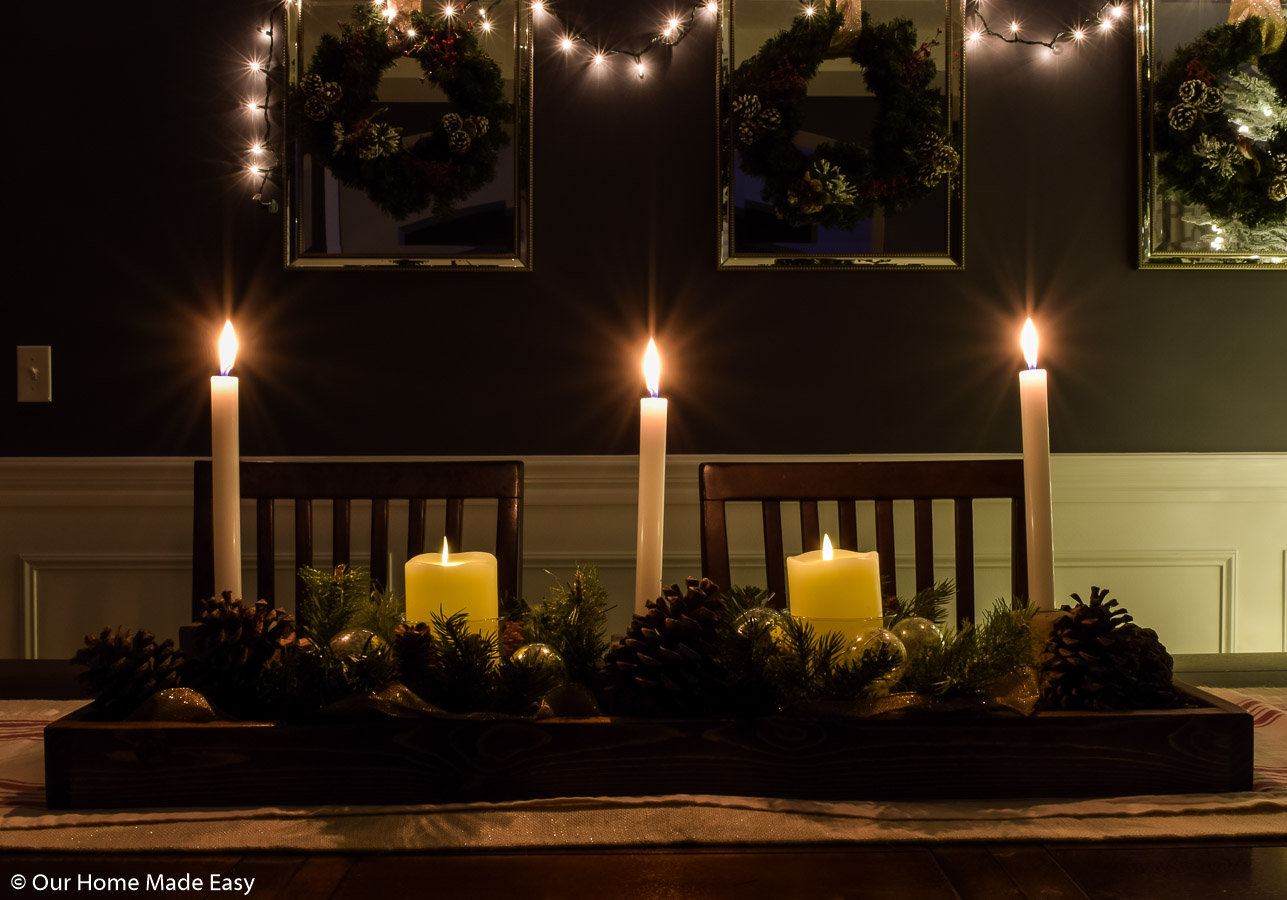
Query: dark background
x: 130, y: 232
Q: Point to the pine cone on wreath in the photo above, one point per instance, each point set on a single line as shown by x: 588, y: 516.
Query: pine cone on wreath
x: 1097, y: 658
x: 1182, y: 117
x: 1211, y: 101
x: 1278, y: 188
x: 125, y: 668
x: 458, y: 142
x: 667, y: 664
x: 311, y: 84
x: 1192, y: 90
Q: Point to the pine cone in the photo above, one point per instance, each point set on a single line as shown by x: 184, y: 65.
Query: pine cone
x: 667, y: 663
x: 125, y: 669
x: 1098, y: 659
x: 1182, y: 117
x: 311, y: 84
x: 1192, y: 90
x: 1278, y: 188
x: 458, y: 142
x: 233, y: 637
x: 414, y: 651
x: 511, y: 638
x: 1211, y: 101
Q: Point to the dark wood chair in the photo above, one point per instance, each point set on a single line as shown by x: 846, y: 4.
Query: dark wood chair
x: 342, y: 482
x: 808, y: 483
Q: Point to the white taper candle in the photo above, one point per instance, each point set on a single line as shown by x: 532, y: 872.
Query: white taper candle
x: 225, y: 463
x: 1036, y: 475
x: 652, y: 485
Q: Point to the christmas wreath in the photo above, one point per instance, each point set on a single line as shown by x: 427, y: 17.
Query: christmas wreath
x: 337, y: 108
x: 1223, y: 99
x: 841, y: 183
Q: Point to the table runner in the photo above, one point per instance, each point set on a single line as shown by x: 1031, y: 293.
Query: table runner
x: 642, y: 821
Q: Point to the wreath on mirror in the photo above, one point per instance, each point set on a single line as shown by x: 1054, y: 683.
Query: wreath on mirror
x: 841, y: 183
x: 337, y: 107
x: 1221, y: 107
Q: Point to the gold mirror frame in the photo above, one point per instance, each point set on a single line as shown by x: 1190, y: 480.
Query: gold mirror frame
x: 879, y: 241
x: 1175, y: 235
x: 320, y: 213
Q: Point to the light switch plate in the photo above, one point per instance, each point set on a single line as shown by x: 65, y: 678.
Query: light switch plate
x: 34, y: 385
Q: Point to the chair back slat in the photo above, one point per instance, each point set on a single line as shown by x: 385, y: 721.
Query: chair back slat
x: 774, y: 561
x: 924, y: 513
x: 341, y: 512
x: 265, y: 545
x: 380, y: 541
x: 811, y: 536
x: 848, y: 524
x: 715, y: 562
x: 964, y: 510
x: 771, y: 484
x: 885, y: 546
x: 342, y: 482
x: 416, y: 527
x: 303, y: 544
x: 509, y: 533
x: 454, y: 522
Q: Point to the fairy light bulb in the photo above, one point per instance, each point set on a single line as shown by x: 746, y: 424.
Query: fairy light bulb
x: 1079, y: 35
x: 974, y: 36
x: 1014, y: 27
x: 411, y: 32
x: 713, y: 6
x: 449, y: 10
x: 1106, y: 24
x: 566, y: 44
x: 598, y: 59
x: 639, y: 67
x: 809, y: 11
x: 487, y: 26
x: 1115, y: 11
x: 256, y: 66
x: 538, y: 6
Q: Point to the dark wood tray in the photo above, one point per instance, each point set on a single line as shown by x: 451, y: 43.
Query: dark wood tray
x: 911, y: 757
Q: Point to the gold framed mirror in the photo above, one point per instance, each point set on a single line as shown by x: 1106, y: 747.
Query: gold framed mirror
x: 1213, y: 134
x: 841, y: 134
x: 408, y: 134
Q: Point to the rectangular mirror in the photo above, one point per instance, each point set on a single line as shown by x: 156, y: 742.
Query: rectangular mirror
x: 408, y: 134
x: 841, y: 133
x: 1213, y: 134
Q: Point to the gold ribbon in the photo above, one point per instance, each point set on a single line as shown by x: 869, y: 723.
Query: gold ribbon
x: 1273, y: 24
x: 845, y: 39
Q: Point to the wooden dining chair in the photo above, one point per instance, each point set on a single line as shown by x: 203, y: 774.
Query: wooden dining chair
x: 808, y: 483
x: 342, y: 482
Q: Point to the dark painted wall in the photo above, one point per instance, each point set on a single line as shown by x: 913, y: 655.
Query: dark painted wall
x: 129, y: 230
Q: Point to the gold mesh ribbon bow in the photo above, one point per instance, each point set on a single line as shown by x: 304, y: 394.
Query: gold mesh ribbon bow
x: 1273, y: 24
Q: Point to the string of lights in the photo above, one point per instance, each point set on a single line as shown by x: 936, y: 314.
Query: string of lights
x: 262, y: 159
x: 1103, y: 19
x: 672, y: 32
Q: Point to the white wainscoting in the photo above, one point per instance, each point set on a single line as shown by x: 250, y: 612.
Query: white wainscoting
x: 1194, y: 544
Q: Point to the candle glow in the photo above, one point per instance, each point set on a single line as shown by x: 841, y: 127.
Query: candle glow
x: 1028, y: 341
x: 652, y: 368
x: 227, y: 348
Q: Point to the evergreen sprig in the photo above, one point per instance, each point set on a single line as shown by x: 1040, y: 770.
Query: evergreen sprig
x: 811, y: 666
x: 463, y: 678
x: 930, y: 603
x: 573, y: 620
x: 333, y: 599
x: 381, y: 615
x: 973, y: 658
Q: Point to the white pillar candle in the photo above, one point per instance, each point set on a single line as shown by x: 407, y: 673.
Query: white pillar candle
x: 831, y: 586
x: 225, y: 468
x: 652, y: 484
x: 461, y: 582
x: 1036, y: 475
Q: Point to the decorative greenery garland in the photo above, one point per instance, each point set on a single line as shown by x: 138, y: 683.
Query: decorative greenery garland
x: 338, y: 113
x: 841, y: 183
x: 1224, y: 146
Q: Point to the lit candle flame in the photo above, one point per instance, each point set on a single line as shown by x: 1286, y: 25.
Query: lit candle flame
x: 1028, y: 340
x: 652, y: 368
x: 227, y: 348
x: 827, y: 552
x: 444, y: 550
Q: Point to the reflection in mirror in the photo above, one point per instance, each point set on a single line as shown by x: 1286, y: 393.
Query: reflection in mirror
x: 841, y: 133
x: 1213, y: 111
x: 408, y: 134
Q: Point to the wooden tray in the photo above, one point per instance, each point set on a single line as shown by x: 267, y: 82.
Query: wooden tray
x: 913, y: 757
